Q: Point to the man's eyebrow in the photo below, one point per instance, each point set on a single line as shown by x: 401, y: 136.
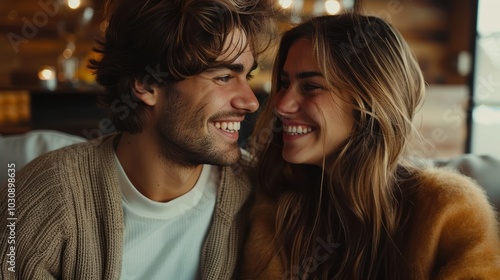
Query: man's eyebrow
x: 235, y: 67
x: 302, y: 75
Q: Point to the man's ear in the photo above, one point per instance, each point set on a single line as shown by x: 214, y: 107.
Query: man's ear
x: 146, y: 93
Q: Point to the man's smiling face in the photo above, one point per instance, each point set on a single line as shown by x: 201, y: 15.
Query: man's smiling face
x: 201, y: 115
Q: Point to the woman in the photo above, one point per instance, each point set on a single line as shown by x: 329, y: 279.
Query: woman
x: 344, y: 204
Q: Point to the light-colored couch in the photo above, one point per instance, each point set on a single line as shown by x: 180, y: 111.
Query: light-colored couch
x: 21, y: 149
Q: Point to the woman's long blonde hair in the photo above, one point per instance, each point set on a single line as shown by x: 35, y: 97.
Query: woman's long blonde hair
x: 357, y: 202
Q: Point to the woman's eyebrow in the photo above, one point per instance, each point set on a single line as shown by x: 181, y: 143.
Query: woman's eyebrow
x: 303, y: 75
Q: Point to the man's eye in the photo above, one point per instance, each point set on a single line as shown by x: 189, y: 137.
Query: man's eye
x: 249, y: 77
x: 224, y: 79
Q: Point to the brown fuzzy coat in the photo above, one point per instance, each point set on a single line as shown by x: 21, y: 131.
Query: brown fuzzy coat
x: 453, y: 233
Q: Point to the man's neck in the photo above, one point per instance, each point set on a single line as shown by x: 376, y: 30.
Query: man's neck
x: 154, y: 177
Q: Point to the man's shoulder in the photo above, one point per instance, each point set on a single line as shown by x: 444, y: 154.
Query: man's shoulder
x: 51, y: 167
x: 73, y: 153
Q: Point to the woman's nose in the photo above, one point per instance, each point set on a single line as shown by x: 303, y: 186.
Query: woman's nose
x: 286, y: 102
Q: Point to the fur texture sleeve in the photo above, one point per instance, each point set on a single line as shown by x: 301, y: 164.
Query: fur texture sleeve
x: 259, y: 258
x: 454, y: 231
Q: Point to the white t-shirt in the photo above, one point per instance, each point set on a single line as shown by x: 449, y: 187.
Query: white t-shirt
x: 165, y: 240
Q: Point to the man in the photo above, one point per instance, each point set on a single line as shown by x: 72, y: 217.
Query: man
x: 150, y: 202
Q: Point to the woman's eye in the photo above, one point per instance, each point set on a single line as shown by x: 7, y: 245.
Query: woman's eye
x: 310, y: 87
x: 284, y: 85
x: 249, y: 77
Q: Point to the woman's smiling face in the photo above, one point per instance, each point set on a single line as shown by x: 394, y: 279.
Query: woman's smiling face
x: 316, y: 120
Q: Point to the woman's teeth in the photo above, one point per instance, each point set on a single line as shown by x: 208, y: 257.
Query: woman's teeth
x: 296, y: 129
x: 228, y: 126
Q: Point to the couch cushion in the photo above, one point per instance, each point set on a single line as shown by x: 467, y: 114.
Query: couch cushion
x: 21, y: 149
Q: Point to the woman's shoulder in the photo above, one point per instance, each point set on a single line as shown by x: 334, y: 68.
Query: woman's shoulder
x: 452, y: 229
x: 443, y: 198
x: 443, y: 193
x: 444, y: 186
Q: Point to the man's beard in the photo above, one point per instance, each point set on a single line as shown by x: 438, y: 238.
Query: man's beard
x: 182, y: 136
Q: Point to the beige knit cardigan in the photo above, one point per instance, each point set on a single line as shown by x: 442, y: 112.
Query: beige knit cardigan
x: 69, y: 218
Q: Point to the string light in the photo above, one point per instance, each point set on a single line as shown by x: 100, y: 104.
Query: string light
x: 74, y: 4
x: 285, y: 4
x: 46, y: 74
x: 332, y: 7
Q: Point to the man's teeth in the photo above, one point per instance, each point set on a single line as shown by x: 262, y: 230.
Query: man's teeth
x: 296, y: 129
x: 228, y: 126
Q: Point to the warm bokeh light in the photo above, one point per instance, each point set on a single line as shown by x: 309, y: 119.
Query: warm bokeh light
x: 332, y: 7
x: 285, y: 4
x: 74, y: 4
x: 47, y: 77
x: 46, y: 74
x: 67, y: 53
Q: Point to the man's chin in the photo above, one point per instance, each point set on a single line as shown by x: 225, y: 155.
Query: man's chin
x: 230, y: 156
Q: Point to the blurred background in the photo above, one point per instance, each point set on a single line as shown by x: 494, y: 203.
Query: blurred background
x: 45, y: 46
